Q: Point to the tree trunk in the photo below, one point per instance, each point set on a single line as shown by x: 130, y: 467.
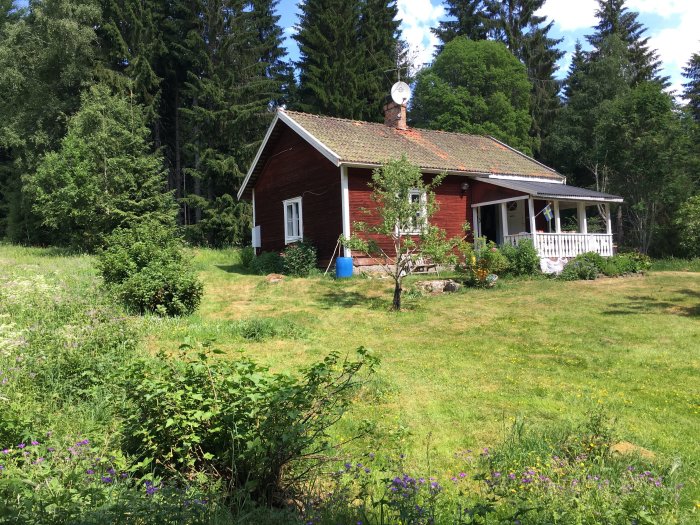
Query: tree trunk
x: 396, y: 305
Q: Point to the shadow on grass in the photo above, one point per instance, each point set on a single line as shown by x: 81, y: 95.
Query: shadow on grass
x: 644, y: 304
x: 348, y: 299
x: 235, y: 268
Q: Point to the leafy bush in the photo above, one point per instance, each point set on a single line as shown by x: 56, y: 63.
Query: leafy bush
x: 299, y: 259
x: 234, y: 420
x: 247, y: 255
x: 225, y: 222
x: 266, y: 263
x: 483, y: 261
x: 146, y: 267
x: 523, y: 258
x: 688, y: 224
x: 584, y: 267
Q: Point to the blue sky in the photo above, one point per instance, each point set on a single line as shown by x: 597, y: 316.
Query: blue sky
x: 672, y: 27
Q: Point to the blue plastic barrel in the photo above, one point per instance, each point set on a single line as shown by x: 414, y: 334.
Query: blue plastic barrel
x: 343, y: 267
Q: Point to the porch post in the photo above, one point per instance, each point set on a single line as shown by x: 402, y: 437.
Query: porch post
x: 583, y: 223
x: 475, y: 224
x: 608, y: 219
x: 557, y: 217
x: 533, y: 223
x: 345, y: 207
x: 504, y: 221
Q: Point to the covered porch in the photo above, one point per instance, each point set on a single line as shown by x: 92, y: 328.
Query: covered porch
x: 508, y: 211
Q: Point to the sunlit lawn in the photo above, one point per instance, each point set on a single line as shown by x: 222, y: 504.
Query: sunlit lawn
x: 458, y: 369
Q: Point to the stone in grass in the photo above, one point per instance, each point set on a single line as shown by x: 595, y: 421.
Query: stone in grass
x: 438, y: 286
x: 274, y: 278
x: 625, y: 447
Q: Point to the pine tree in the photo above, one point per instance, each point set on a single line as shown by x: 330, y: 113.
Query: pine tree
x: 614, y: 18
x: 692, y: 88
x: 330, y: 61
x: 470, y: 20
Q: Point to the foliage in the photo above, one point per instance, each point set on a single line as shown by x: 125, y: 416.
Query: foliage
x: 476, y: 87
x: 551, y: 475
x: 482, y: 261
x: 224, y: 222
x: 692, y: 87
x: 146, y: 267
x: 347, y: 51
x: 247, y: 256
x: 523, y: 258
x: 584, y: 267
x: 260, y: 329
x: 688, y: 224
x: 266, y: 263
x: 104, y: 175
x: 234, y: 420
x: 400, y: 233
x: 299, y: 259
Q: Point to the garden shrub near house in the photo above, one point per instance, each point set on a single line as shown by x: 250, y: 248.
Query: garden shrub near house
x: 523, y: 258
x: 299, y: 259
x: 588, y: 266
x: 266, y: 263
x: 146, y: 267
x: 482, y: 262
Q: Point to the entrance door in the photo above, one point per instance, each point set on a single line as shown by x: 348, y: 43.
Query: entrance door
x: 516, y: 216
x: 490, y: 223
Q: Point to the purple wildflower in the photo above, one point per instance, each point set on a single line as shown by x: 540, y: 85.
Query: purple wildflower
x: 6, y: 451
x: 21, y: 445
x: 106, y: 479
x: 89, y: 472
x: 35, y: 443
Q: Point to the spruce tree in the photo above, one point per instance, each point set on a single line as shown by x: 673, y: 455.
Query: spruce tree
x: 470, y: 20
x: 614, y: 18
x: 331, y: 61
x: 691, y: 90
x: 103, y: 176
x: 379, y: 42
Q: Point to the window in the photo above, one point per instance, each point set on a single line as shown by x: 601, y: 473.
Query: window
x: 417, y: 200
x: 293, y: 224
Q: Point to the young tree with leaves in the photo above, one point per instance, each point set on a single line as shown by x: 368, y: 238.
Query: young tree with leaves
x: 476, y: 87
x: 104, y: 175
x: 405, y: 202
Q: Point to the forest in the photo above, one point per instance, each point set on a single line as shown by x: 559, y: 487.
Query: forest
x: 115, y: 110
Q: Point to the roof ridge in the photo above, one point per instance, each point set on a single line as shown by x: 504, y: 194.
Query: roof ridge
x: 315, y: 115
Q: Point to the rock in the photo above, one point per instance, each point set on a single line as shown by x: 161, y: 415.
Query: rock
x: 438, y: 286
x: 451, y: 286
x: 274, y: 278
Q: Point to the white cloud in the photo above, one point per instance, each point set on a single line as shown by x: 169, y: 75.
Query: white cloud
x: 570, y: 15
x: 417, y: 17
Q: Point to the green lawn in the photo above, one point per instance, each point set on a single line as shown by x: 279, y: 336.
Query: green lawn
x: 458, y: 369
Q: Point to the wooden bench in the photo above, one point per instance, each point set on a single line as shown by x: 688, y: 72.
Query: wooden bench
x: 422, y: 265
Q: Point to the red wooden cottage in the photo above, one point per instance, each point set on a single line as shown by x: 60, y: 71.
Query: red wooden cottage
x: 309, y: 180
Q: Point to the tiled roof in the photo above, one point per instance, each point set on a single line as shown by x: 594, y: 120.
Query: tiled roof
x: 373, y: 143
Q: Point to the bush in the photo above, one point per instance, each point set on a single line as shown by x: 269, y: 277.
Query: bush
x: 688, y: 224
x: 299, y: 259
x: 483, y: 261
x: 522, y: 258
x: 147, y: 269
x: 247, y: 256
x: 584, y: 267
x: 234, y: 420
x: 266, y: 263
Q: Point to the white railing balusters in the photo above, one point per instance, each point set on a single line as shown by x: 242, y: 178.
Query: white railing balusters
x: 566, y: 244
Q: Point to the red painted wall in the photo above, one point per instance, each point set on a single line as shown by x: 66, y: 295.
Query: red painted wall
x: 451, y: 215
x: 294, y: 168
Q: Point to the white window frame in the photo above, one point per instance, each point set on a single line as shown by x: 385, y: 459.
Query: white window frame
x: 423, y: 212
x: 293, y: 238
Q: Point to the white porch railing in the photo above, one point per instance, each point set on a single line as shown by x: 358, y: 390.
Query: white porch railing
x: 566, y: 244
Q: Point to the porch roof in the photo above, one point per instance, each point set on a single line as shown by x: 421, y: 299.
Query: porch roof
x: 549, y: 190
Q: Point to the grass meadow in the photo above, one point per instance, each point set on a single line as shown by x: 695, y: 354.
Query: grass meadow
x: 457, y: 370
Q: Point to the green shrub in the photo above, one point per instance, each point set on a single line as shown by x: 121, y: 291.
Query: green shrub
x: 299, y: 259
x: 167, y: 289
x: 581, y: 268
x: 266, y: 263
x: 483, y: 261
x: 146, y: 267
x: 688, y: 224
x: 234, y: 420
x: 522, y: 258
x: 247, y: 256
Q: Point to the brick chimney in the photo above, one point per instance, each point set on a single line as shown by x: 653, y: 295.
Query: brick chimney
x: 395, y: 115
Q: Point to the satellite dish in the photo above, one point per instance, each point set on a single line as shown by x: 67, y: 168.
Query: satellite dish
x: 400, y: 92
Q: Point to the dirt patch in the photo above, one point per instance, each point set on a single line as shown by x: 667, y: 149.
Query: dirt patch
x: 625, y: 448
